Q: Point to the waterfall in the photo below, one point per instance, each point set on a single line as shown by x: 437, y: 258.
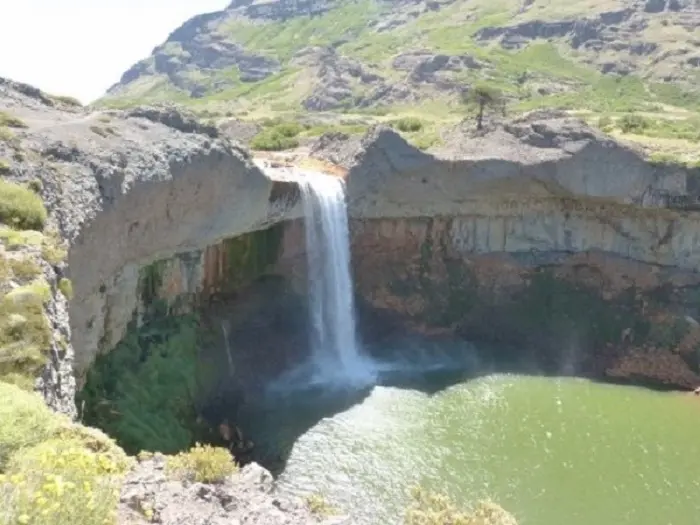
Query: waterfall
x: 335, y: 349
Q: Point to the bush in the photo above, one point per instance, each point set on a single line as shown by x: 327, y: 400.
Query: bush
x: 61, y: 482
x: 68, y: 101
x: 277, y: 137
x: 202, y: 463
x: 605, y: 123
x: 4, y: 166
x: 631, y: 123
x: 66, y: 287
x: 25, y: 268
x: 20, y: 207
x: 26, y: 421
x: 318, y: 506
x: 25, y: 334
x: 408, y: 124
x: 429, y: 508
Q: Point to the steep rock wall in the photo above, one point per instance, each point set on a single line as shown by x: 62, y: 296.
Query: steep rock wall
x: 542, y: 234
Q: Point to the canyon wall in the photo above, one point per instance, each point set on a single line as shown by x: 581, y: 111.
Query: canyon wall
x: 544, y: 235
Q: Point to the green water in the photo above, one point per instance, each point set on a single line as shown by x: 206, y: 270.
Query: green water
x: 551, y: 451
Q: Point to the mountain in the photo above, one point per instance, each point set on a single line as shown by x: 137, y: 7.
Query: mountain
x: 259, y: 58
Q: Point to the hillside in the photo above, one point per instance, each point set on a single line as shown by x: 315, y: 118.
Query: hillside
x: 370, y: 58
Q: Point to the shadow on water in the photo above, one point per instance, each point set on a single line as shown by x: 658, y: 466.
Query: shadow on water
x: 288, y: 408
x: 276, y: 418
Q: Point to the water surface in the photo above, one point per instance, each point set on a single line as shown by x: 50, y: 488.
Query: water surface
x: 553, y: 451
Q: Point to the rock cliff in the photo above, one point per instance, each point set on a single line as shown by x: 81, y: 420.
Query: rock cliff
x: 542, y: 233
x: 125, y: 189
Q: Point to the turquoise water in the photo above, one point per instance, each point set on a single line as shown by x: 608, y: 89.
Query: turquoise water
x: 553, y: 451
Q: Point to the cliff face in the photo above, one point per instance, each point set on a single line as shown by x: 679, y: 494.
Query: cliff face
x: 544, y: 235
x: 126, y: 189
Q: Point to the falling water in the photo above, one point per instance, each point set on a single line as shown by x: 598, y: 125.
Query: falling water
x: 334, y: 343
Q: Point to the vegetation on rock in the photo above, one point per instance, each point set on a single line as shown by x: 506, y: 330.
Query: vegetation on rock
x: 430, y: 508
x: 483, y: 97
x: 52, y: 470
x: 20, y: 207
x: 202, y: 463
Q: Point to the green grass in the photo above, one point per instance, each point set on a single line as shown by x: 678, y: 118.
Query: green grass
x: 281, y: 39
x: 20, y: 207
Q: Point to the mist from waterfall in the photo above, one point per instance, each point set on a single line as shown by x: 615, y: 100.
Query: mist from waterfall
x: 337, y: 356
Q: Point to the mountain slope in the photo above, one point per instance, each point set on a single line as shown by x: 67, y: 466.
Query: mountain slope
x: 326, y: 54
x: 260, y: 58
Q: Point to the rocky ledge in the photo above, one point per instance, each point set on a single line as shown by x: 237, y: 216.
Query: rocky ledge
x: 150, y: 496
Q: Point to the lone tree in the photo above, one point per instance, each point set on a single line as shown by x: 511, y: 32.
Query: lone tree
x: 482, y: 97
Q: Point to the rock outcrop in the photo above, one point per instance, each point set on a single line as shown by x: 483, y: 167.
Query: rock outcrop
x: 149, y: 496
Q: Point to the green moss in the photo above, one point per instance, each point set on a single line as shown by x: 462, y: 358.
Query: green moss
x: 20, y: 207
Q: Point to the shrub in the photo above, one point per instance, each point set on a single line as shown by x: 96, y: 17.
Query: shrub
x: 429, y: 508
x: 202, y: 463
x: 25, y: 268
x: 61, y: 482
x: 277, y: 137
x: 36, y: 186
x: 318, y: 506
x: 68, y: 101
x: 6, y: 134
x: 4, y: 166
x: 52, y: 250
x: 631, y: 123
x: 25, y: 334
x: 20, y: 207
x: 605, y: 123
x: 408, y: 124
x: 26, y: 421
x: 66, y: 287
x: 11, y: 121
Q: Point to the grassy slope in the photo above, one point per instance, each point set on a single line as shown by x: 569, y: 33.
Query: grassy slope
x: 578, y: 86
